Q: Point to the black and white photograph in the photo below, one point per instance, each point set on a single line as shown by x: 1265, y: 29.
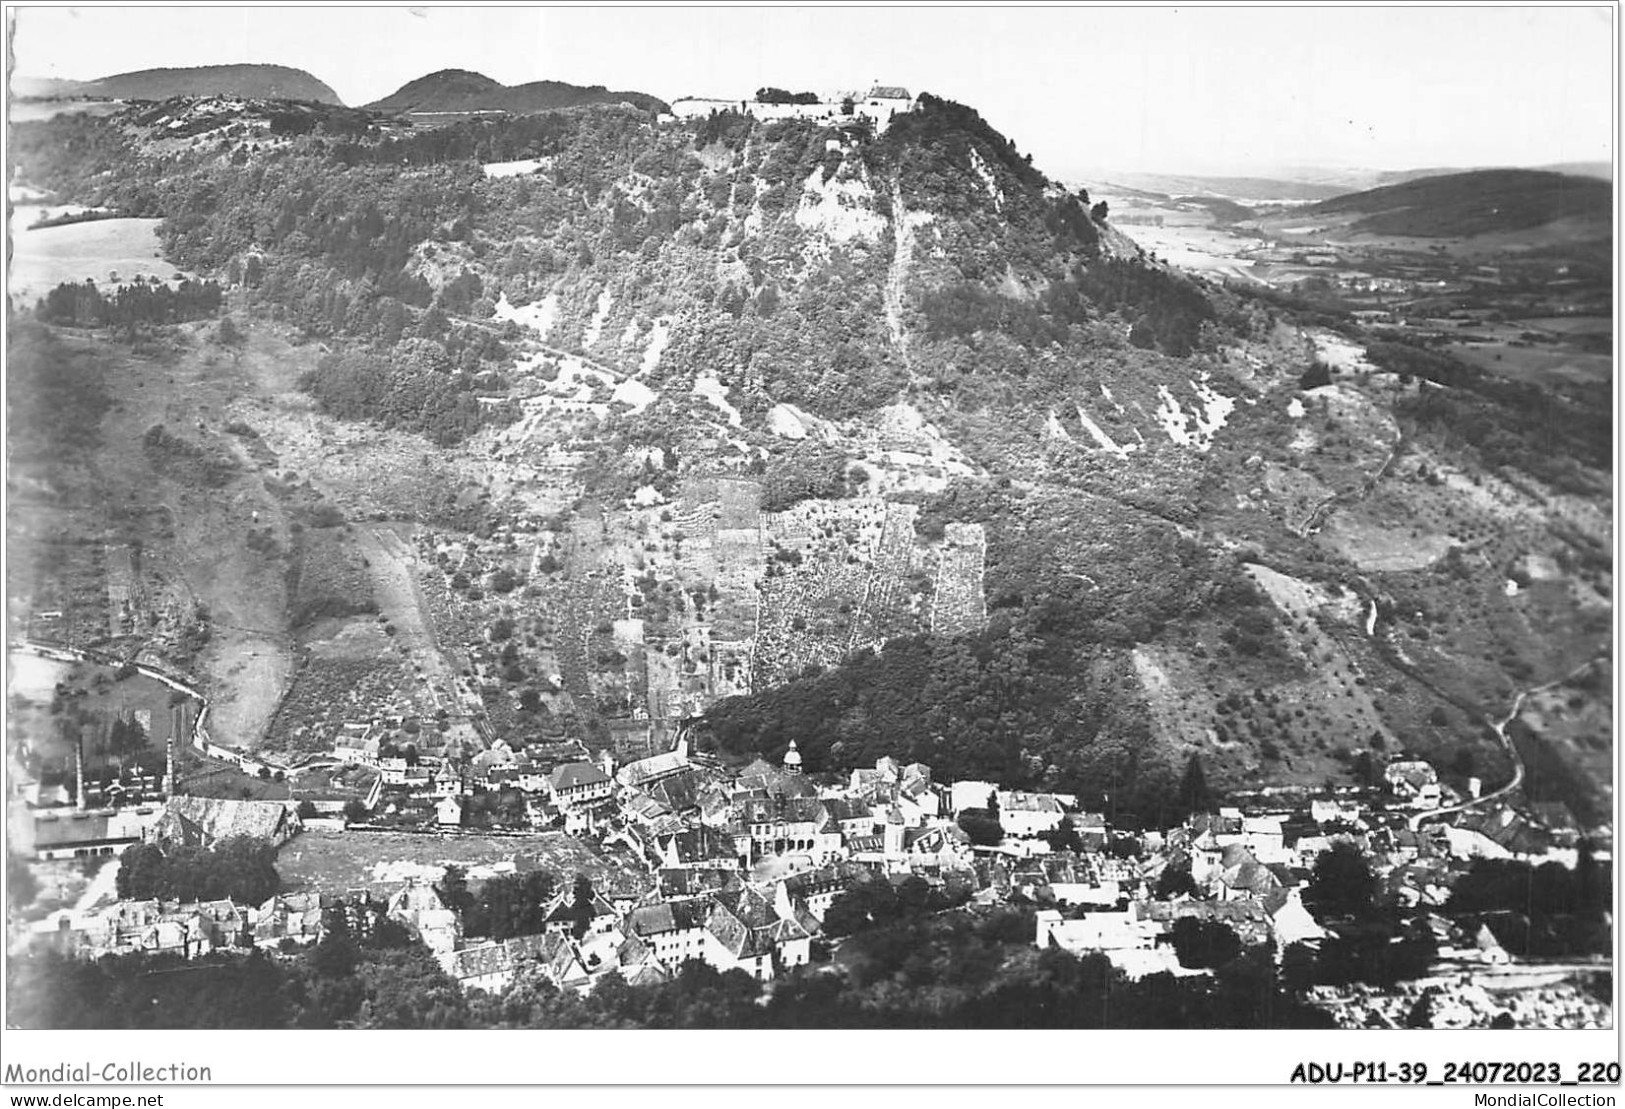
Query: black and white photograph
x: 832, y: 519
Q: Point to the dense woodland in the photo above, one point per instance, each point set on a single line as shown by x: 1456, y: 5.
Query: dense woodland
x: 1046, y: 696
x: 328, y: 229
x: 57, y: 394
x: 130, y: 306
x: 1548, y: 431
x: 239, y: 868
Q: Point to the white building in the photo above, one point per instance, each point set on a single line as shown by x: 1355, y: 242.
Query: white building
x: 878, y: 107
x: 970, y: 795
x: 1029, y: 814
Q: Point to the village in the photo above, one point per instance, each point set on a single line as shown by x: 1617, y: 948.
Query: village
x: 765, y: 868
x: 472, y: 667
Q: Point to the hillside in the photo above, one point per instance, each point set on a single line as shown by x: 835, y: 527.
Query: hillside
x: 882, y: 442
x: 1224, y: 211
x: 1602, y: 171
x: 458, y: 90
x: 1478, y: 202
x: 1244, y: 189
x: 259, y: 81
x: 26, y: 87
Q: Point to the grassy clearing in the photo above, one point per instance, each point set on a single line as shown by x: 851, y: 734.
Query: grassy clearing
x: 1374, y: 545
x: 1540, y: 365
x: 332, y: 862
x: 46, y: 257
x: 206, y: 777
x: 94, y: 692
x: 247, y: 677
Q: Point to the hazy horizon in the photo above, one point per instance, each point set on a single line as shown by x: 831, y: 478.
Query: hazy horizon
x: 1195, y: 90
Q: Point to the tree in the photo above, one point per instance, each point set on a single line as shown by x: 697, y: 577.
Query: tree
x: 581, y: 912
x: 1342, y: 882
x: 1204, y: 944
x: 140, y: 871
x: 515, y: 905
x: 1194, y: 795
x: 354, y: 811
x: 336, y: 955
x: 1099, y: 212
x: 1372, y: 952
x: 238, y: 867
x: 307, y: 809
x: 981, y: 826
x: 454, y: 892
x: 1316, y: 375
x: 1175, y: 881
x: 1063, y: 837
x: 126, y: 737
x: 1298, y: 968
x: 1421, y: 1014
x: 847, y: 913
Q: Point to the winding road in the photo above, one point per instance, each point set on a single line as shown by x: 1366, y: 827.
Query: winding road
x: 1391, y: 654
x: 1317, y: 515
x: 1499, y: 727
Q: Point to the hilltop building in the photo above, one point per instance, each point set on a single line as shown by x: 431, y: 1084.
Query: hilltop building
x: 876, y: 107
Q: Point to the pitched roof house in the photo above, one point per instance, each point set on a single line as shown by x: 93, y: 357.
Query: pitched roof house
x: 204, y: 821
x: 579, y: 783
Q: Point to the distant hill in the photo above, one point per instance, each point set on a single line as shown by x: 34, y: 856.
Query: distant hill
x: 1603, y: 171
x: 1600, y: 170
x: 266, y: 82
x: 1478, y: 202
x: 34, y: 87
x: 1225, y: 211
x: 458, y: 90
x: 1254, y: 189
x: 1126, y: 192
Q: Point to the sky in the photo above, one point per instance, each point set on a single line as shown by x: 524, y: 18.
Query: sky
x: 1188, y: 89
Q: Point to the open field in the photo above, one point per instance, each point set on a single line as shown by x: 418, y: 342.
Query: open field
x: 1212, y: 251
x: 332, y: 862
x: 28, y: 111
x: 46, y: 257
x: 1378, y: 544
x: 94, y: 693
x: 1536, y: 364
x: 206, y: 777
x: 1572, y: 325
x: 248, y: 676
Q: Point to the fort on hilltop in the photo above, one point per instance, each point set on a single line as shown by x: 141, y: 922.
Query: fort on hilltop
x: 878, y: 106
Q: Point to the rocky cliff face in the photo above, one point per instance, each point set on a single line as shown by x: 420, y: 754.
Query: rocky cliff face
x: 884, y: 434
